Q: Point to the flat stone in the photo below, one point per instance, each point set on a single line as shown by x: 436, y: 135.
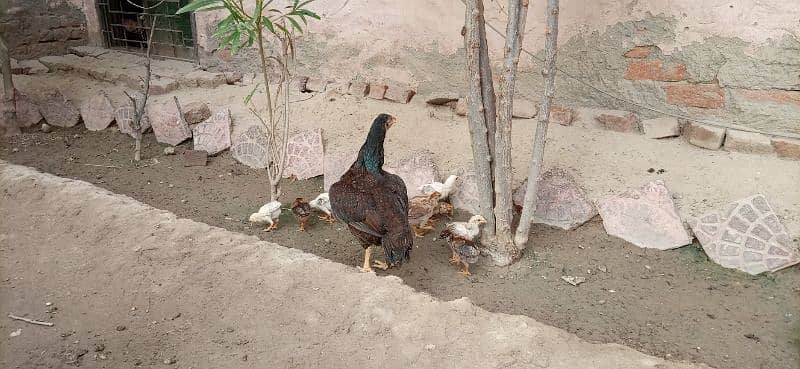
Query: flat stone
x: 560, y: 202
x: 32, y: 67
x: 746, y: 235
x: 619, y: 121
x: 167, y: 123
x: 58, y: 110
x: 461, y: 107
x: 27, y: 111
x: 787, y: 148
x: 316, y: 85
x: 645, y: 217
x: 88, y: 51
x: 661, y: 127
x: 562, y: 115
x: 98, y: 112
x: 416, y: 170
x: 162, y: 85
x: 377, y: 90
x: 335, y: 164
x: 399, y: 93
x: 304, y: 155
x: 204, y: 79
x: 707, y: 137
x: 250, y: 148
x: 748, y: 142
x: 465, y: 195
x: 213, y: 135
x: 358, y: 88
x: 195, y: 158
x: 124, y: 116
x: 524, y: 109
x: 195, y: 112
x: 441, y: 97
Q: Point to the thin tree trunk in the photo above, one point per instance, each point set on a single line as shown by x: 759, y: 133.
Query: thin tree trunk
x: 9, y: 108
x: 475, y: 46
x: 539, y: 140
x: 139, y: 106
x: 504, y: 249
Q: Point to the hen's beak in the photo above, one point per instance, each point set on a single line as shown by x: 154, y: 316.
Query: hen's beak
x: 390, y: 122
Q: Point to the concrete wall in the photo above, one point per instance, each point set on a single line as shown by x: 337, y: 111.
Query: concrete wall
x: 35, y: 28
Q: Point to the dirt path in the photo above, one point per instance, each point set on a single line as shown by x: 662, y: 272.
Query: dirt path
x: 132, y: 286
x: 673, y: 304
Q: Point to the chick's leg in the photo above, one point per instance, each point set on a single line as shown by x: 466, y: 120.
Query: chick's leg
x: 303, y: 222
x: 273, y: 225
x: 455, y: 259
x: 367, y: 264
x: 465, y: 272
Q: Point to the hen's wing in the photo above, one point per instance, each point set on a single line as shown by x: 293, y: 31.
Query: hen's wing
x: 352, y: 202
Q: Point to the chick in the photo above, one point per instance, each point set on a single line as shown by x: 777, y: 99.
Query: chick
x: 302, y: 211
x: 323, y: 203
x: 461, y: 237
x: 420, y: 210
x: 269, y: 213
x: 444, y: 189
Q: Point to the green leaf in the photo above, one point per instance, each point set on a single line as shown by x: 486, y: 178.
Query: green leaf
x: 268, y: 23
x: 250, y: 95
x: 198, y: 5
x: 295, y: 24
x: 282, y: 28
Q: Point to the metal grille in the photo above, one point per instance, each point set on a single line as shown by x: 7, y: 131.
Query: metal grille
x: 126, y: 26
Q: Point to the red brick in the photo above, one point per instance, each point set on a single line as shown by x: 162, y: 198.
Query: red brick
x: 747, y: 142
x: 562, y: 115
x: 654, y: 70
x: 638, y: 52
x: 787, y: 148
x: 626, y: 122
x: 773, y: 96
x: 707, y: 96
x: 377, y: 90
x: 707, y: 137
x: 399, y: 93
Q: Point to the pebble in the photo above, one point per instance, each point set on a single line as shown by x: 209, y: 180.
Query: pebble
x: 48, y: 303
x: 430, y: 347
x: 102, y: 357
x: 16, y: 333
x: 98, y: 347
x: 121, y: 328
x: 169, y: 361
x: 46, y: 128
x: 169, y: 150
x: 15, y: 150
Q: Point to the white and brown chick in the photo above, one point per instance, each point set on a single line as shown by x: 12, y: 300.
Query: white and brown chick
x: 420, y: 210
x: 461, y: 238
x: 302, y: 211
x: 269, y: 213
x: 323, y: 203
x: 444, y: 189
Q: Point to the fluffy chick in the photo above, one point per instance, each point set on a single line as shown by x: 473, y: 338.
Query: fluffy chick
x: 302, y: 211
x: 323, y: 203
x: 269, y: 213
x: 461, y: 237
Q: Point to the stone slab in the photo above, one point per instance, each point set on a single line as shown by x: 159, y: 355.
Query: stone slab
x: 465, y: 195
x: 560, y: 201
x: 98, y: 112
x: 27, y: 111
x: 305, y: 155
x: 213, y: 135
x: 58, y: 110
x: 645, y: 217
x: 167, y: 123
x: 661, y: 127
x: 250, y: 148
x: 746, y: 235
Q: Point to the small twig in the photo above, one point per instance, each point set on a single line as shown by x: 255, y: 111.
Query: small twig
x: 26, y: 320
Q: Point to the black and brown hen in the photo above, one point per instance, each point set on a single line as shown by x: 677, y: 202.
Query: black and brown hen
x: 374, y: 203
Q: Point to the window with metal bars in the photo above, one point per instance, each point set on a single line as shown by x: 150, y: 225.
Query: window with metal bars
x: 126, y: 25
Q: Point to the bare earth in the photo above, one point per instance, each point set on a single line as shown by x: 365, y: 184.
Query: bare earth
x: 674, y: 304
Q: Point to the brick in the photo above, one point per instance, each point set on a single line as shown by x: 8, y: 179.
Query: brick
x: 195, y: 158
x: 300, y: 83
x: 562, y: 115
x: 399, y: 93
x: 787, y: 148
x: 704, y: 136
x: 773, y: 96
x: 661, y: 127
x: 622, y: 122
x: 358, y: 88
x: 654, y: 70
x: 316, y: 85
x: 748, y: 142
x: 162, y: 85
x: 377, y: 90
x: 707, y: 96
x: 461, y: 107
x: 638, y: 52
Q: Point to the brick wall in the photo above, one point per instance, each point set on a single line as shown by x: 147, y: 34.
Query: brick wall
x: 35, y: 28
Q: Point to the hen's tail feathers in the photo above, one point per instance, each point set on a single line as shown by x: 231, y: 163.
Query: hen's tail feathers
x: 397, y: 248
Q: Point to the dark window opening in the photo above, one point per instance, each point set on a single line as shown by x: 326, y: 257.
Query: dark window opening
x: 126, y: 26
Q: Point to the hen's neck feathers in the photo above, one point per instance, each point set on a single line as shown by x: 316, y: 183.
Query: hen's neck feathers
x: 370, y: 156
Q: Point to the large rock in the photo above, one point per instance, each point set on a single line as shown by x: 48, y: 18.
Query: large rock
x: 58, y: 110
x: 465, y: 195
x: 214, y: 135
x: 747, y: 235
x: 416, y: 170
x: 124, y: 116
x: 560, y: 202
x: 645, y: 217
x: 167, y: 123
x: 304, y: 155
x: 98, y: 112
x: 250, y: 148
x: 27, y: 111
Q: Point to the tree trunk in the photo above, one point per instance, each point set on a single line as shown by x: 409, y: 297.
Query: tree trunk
x: 9, y: 104
x: 475, y: 46
x: 539, y: 140
x: 504, y: 249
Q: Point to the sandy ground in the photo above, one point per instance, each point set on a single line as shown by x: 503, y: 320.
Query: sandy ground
x: 128, y: 285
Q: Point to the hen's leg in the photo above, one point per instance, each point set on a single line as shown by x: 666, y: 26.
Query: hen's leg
x: 417, y: 231
x: 367, y: 256
x: 465, y: 272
